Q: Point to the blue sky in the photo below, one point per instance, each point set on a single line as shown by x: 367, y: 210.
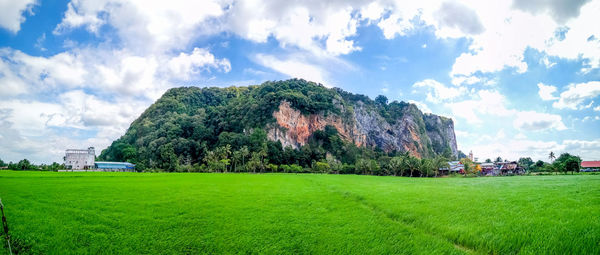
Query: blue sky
x: 519, y: 78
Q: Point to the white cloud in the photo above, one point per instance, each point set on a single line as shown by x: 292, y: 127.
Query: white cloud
x: 546, y: 92
x: 29, y: 117
x: 513, y: 149
x: 560, y: 10
x: 597, y: 108
x: 294, y: 68
x: 437, y: 91
x: 104, y: 71
x: 41, y: 73
x: 144, y: 25
x: 520, y: 136
x: 395, y: 25
x: 465, y: 80
x: 588, y: 150
x: 422, y: 106
x: 372, y: 11
x: 487, y: 102
x: 186, y: 65
x: 500, y: 134
x: 590, y: 118
x: 320, y: 27
x: 546, y: 61
x: 578, y: 42
x: 36, y: 129
x: 535, y: 121
x: 455, y: 15
x: 577, y: 94
x: 12, y: 13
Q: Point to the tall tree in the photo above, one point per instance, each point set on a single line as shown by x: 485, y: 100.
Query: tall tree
x: 440, y: 162
x: 396, y: 165
x: 572, y: 164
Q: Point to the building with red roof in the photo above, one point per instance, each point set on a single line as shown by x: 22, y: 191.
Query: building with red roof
x: 590, y: 164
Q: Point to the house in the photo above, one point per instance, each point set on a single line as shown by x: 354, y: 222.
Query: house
x: 509, y: 167
x: 590, y: 166
x: 455, y: 167
x: 80, y: 159
x: 488, y: 169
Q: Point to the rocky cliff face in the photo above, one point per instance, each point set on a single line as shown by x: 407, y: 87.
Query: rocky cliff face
x: 413, y: 131
x: 441, y: 133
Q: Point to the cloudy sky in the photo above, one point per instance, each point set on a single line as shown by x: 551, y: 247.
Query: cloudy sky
x: 519, y: 78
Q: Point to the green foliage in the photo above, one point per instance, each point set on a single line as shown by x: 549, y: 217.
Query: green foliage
x: 185, y: 129
x: 526, y: 163
x: 381, y: 100
x: 132, y: 213
x: 567, y: 163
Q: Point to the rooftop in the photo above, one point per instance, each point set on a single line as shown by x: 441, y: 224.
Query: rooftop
x: 590, y: 163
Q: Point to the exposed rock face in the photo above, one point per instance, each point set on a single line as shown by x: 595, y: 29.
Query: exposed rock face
x: 293, y: 128
x: 441, y: 132
x: 413, y: 131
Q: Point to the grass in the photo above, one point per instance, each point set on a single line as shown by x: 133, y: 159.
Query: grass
x: 62, y: 213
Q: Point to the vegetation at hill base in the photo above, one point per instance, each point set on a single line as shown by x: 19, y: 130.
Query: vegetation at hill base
x: 175, y: 213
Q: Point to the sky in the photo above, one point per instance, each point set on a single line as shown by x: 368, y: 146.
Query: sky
x: 519, y: 78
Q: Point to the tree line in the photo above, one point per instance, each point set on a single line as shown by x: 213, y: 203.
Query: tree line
x: 25, y: 164
x: 563, y: 164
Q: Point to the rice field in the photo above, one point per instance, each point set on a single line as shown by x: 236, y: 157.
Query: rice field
x: 193, y: 213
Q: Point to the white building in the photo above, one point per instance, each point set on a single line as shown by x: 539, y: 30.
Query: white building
x: 80, y: 159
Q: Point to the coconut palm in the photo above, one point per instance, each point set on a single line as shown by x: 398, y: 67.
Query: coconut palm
x: 440, y: 162
x: 551, y: 156
x: 396, y: 165
x: 412, y: 163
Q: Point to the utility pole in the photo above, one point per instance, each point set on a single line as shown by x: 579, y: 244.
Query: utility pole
x: 5, y: 227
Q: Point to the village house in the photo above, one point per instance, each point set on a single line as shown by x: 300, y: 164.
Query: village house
x: 489, y: 169
x: 590, y: 166
x: 508, y: 168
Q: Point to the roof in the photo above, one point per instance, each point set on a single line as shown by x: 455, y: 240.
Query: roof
x: 590, y: 163
x: 109, y: 162
x: 115, y: 165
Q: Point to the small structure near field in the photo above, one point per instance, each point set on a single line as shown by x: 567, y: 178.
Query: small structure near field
x: 114, y: 166
x: 455, y: 167
x: 509, y: 168
x: 590, y: 166
x: 80, y: 159
x: 489, y: 169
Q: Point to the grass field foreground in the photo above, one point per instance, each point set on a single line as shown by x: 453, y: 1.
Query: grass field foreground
x: 59, y: 213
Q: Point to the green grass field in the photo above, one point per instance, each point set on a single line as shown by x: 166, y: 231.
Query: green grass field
x: 61, y: 213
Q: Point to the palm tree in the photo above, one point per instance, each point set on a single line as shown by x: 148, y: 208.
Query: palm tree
x: 425, y: 167
x: 245, y: 152
x: 396, y: 165
x: 551, y: 156
x: 236, y: 158
x: 440, y: 162
x: 412, y: 163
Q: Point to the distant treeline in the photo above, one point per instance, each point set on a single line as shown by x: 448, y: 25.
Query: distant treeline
x: 25, y: 164
x: 224, y: 159
x: 564, y: 163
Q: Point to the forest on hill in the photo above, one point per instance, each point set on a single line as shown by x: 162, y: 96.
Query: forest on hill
x: 232, y: 129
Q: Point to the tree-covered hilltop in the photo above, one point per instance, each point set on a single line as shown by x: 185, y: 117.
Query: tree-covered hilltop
x: 237, y: 128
